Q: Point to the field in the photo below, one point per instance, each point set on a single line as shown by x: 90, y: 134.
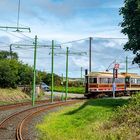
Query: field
x: 79, y: 90
x: 83, y: 121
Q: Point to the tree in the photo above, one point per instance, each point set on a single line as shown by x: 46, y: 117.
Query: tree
x: 48, y: 78
x: 131, y: 27
x: 7, y: 55
x: 25, y: 73
x: 8, y: 73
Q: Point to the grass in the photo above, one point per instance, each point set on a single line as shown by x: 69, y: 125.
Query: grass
x: 79, y: 90
x: 81, y: 121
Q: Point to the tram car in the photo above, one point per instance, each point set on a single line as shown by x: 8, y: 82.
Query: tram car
x: 101, y: 83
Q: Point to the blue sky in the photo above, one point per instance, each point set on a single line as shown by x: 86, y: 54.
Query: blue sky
x: 66, y: 20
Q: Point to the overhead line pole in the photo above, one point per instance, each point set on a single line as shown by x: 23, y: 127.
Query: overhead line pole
x: 81, y: 73
x: 34, y: 78
x: 52, y: 86
x: 67, y: 61
x: 10, y: 51
x: 90, y: 45
x: 126, y: 72
x: 18, y: 15
x: 62, y: 97
x: 126, y: 65
x: 17, y: 28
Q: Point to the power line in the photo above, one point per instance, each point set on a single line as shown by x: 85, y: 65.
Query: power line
x: 14, y: 35
x: 73, y: 41
x: 26, y: 36
x: 114, y: 38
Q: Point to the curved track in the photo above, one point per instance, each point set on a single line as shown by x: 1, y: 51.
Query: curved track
x: 16, y: 105
x: 13, y: 126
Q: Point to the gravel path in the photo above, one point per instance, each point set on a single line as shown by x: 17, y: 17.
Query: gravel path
x: 5, y: 113
x: 59, y: 94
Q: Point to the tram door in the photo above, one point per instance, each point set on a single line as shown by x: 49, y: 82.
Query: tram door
x: 127, y: 81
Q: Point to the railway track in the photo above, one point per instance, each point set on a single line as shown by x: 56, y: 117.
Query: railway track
x: 13, y: 126
x: 16, y: 105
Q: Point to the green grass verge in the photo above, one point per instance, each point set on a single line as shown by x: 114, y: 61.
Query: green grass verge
x: 79, y: 90
x: 79, y: 122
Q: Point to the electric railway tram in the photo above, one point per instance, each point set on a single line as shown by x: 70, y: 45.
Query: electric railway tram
x: 100, y: 84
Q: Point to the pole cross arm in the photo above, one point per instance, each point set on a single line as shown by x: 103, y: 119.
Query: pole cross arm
x: 78, y: 53
x: 40, y: 46
x: 18, y: 29
x: 73, y: 53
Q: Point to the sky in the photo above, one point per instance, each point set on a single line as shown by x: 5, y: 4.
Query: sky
x: 65, y: 21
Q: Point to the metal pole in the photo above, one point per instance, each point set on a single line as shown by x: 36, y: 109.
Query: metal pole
x: 18, y: 15
x: 90, y: 45
x: 126, y: 74
x: 34, y: 78
x: 86, y: 81
x: 126, y: 64
x: 62, y: 96
x: 67, y: 54
x: 52, y: 86
x: 81, y: 74
x: 113, y: 86
x: 10, y: 51
x: 62, y: 79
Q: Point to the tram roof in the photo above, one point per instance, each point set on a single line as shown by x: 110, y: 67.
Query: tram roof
x: 110, y: 75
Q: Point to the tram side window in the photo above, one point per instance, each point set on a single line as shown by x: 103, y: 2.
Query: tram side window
x: 133, y: 81
x: 93, y: 80
x: 120, y: 80
x: 138, y: 81
x: 103, y: 80
x: 109, y: 80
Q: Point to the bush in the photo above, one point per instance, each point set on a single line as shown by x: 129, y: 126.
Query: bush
x: 126, y: 121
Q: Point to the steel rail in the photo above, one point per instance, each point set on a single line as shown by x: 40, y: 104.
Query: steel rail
x: 23, y: 111
x: 21, y: 125
x: 16, y: 105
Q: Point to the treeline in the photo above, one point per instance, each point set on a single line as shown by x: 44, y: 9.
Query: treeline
x: 14, y: 72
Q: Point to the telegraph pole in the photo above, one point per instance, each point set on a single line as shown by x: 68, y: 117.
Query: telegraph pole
x: 52, y: 86
x: 34, y: 78
x: 90, y: 47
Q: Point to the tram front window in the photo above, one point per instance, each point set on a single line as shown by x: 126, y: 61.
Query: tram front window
x: 93, y: 80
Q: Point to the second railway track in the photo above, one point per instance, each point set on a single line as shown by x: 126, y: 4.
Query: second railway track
x: 13, y: 126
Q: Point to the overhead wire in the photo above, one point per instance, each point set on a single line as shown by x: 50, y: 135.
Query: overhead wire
x: 14, y: 35
x: 68, y: 42
x: 114, y: 38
